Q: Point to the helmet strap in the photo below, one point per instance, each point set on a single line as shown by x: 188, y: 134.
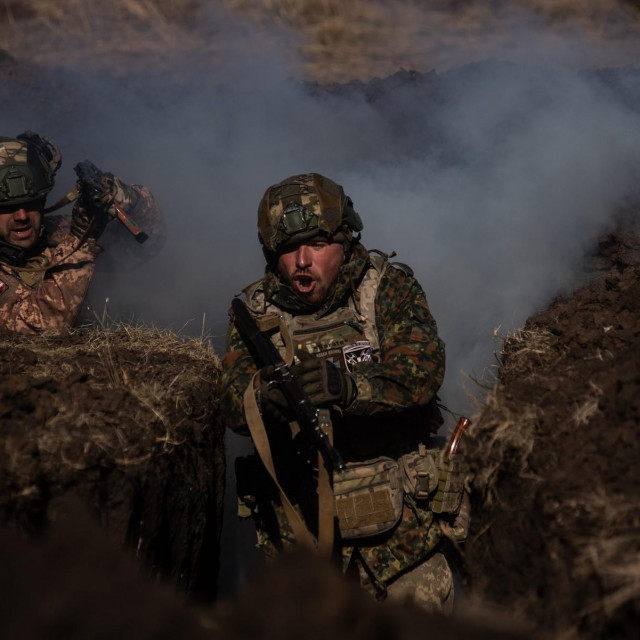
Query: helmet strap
x: 11, y: 255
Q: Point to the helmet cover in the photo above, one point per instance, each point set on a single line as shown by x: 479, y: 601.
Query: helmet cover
x: 302, y: 207
x: 27, y: 168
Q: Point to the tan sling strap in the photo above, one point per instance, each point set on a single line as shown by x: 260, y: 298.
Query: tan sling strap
x: 65, y: 200
x: 326, y: 505
x: 289, y: 349
x: 324, y: 544
x: 271, y: 321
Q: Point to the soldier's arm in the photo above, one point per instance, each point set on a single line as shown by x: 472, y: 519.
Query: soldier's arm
x: 140, y: 204
x: 237, y: 369
x: 412, y: 357
x: 56, y: 302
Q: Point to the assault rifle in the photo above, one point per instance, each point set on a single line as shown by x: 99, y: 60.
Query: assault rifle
x: 91, y: 194
x: 264, y: 354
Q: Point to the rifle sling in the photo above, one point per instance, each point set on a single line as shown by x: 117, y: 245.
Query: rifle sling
x: 324, y: 543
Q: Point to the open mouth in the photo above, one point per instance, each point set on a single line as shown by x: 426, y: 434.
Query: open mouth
x: 22, y: 233
x: 304, y: 284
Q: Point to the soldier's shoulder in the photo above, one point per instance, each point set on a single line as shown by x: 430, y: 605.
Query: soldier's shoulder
x: 252, y: 289
x: 384, y: 262
x: 398, y: 273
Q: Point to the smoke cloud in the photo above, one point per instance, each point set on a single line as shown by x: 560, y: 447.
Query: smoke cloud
x: 490, y: 179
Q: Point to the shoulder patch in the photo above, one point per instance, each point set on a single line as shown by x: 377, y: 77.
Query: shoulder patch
x: 3, y: 286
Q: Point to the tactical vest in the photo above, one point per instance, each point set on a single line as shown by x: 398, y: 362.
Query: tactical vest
x: 347, y: 336
x: 29, y: 276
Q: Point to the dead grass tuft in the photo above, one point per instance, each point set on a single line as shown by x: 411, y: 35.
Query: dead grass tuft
x: 101, y: 397
x: 525, y: 350
x: 501, y: 441
x: 339, y: 41
x: 121, y: 35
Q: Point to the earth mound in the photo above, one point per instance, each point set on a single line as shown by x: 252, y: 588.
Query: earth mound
x: 125, y: 421
x: 556, y: 530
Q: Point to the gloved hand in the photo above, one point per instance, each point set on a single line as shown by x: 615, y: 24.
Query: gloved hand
x: 87, y: 222
x: 97, y: 192
x: 273, y: 404
x: 324, y: 383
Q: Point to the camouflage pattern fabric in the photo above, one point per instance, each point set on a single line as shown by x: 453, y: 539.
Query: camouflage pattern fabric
x: 409, y: 373
x: 319, y: 203
x: 411, y: 369
x: 122, y: 253
x: 381, y: 559
x: 47, y: 293
x: 41, y: 297
x: 429, y: 585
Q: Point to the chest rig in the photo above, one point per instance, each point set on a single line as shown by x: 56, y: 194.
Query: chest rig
x: 347, y: 336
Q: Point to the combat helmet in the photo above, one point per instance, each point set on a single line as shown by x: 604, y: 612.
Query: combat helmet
x: 28, y: 164
x: 302, y: 207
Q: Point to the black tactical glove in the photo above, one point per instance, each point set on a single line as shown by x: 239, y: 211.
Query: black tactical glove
x: 273, y: 404
x: 324, y: 383
x: 97, y: 192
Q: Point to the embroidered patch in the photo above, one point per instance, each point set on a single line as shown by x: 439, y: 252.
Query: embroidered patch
x: 3, y: 287
x: 356, y: 353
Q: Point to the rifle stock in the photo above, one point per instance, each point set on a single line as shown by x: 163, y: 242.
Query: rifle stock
x: 264, y: 354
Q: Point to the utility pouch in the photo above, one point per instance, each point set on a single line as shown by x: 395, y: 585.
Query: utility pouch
x: 419, y: 473
x: 450, y: 486
x: 368, y: 497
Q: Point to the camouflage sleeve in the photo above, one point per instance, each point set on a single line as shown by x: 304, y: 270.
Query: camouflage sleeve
x: 57, y: 300
x: 237, y: 369
x: 123, y: 253
x: 411, y: 367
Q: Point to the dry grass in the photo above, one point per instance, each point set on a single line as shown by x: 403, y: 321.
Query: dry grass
x: 339, y: 41
x: 119, y: 35
x: 502, y: 439
x: 526, y: 349
x: 115, y: 396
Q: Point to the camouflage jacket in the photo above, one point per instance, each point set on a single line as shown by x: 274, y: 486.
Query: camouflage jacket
x: 411, y: 364
x: 399, y: 389
x: 47, y: 292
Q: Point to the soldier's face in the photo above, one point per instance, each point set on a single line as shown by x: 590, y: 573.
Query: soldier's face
x: 310, y: 269
x: 21, y: 227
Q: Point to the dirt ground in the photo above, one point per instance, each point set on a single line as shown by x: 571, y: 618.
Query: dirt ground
x: 122, y: 422
x: 556, y: 529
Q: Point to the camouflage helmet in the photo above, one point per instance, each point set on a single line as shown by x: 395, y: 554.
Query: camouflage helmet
x: 302, y: 207
x: 28, y: 164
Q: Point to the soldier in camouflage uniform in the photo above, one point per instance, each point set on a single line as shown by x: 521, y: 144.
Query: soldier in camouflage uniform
x: 366, y: 347
x: 46, y: 263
